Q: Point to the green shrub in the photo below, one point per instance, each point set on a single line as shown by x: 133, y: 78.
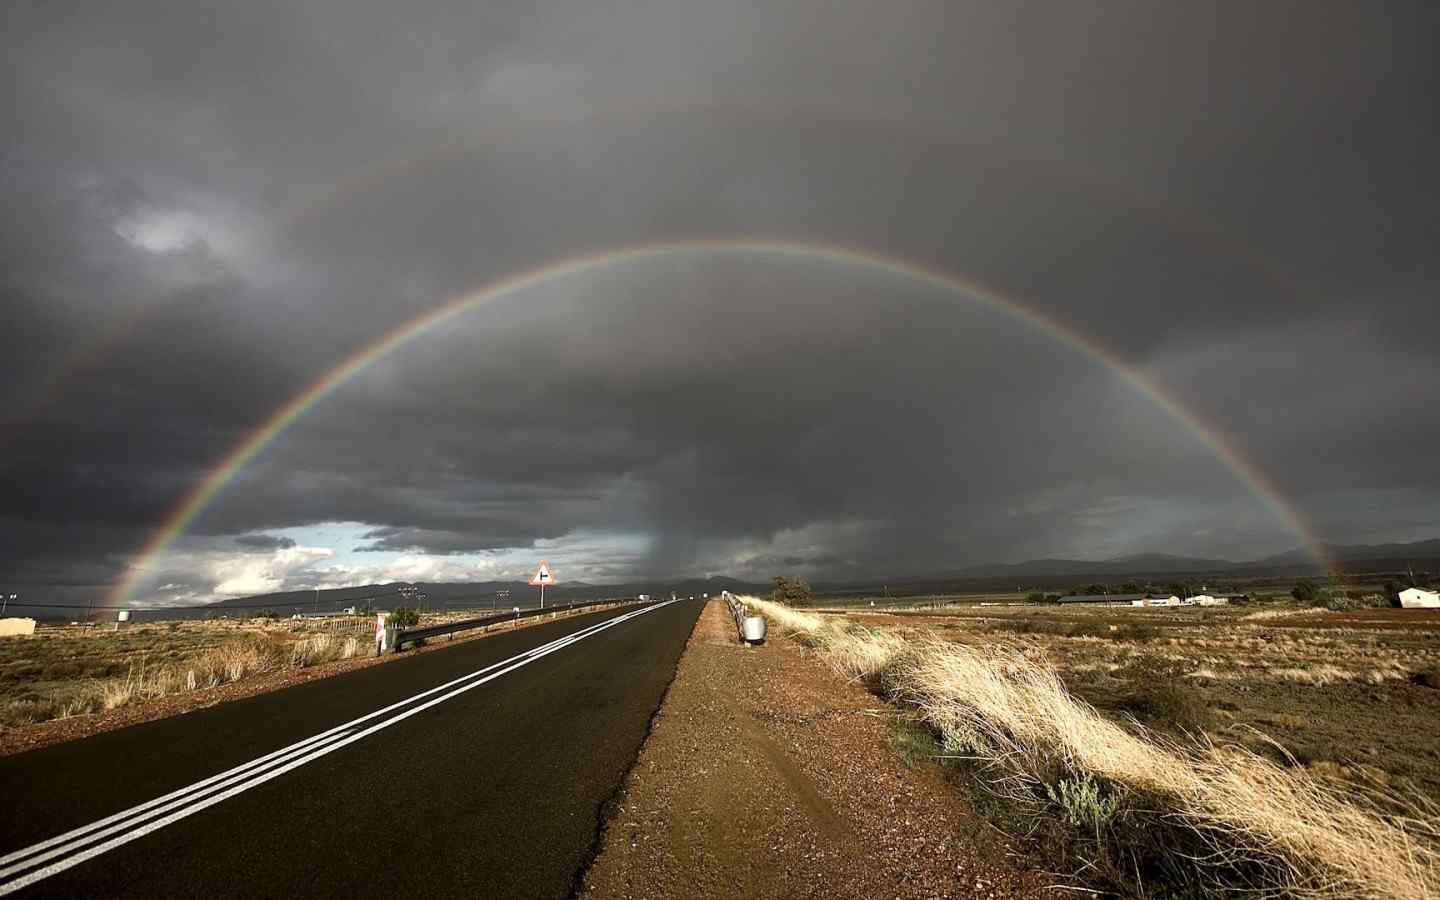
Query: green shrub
x: 1140, y: 632
x: 1172, y: 704
x: 1083, y: 803
x: 791, y: 593
x: 1305, y: 592
x: 1340, y: 601
x: 913, y: 742
x: 404, y: 617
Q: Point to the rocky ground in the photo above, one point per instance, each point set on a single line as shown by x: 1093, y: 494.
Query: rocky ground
x: 767, y: 775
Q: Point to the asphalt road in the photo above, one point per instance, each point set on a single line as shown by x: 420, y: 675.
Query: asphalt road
x: 492, y: 786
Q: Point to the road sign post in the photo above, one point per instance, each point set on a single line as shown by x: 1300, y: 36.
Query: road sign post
x: 542, y: 577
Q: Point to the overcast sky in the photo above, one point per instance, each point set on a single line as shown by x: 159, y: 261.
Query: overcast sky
x: 206, y: 206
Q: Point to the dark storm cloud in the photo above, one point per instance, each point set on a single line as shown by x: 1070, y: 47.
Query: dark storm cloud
x: 265, y: 541
x: 206, y: 208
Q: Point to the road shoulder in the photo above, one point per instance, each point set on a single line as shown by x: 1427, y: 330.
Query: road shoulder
x: 767, y: 775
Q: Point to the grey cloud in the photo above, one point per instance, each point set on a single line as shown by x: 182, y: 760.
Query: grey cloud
x: 207, y: 209
x: 265, y: 541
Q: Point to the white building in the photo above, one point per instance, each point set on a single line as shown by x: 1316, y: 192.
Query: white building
x: 1415, y: 598
x: 16, y: 627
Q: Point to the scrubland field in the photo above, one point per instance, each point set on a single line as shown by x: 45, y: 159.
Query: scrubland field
x: 65, y: 671
x: 1177, y: 751
x: 1348, y: 694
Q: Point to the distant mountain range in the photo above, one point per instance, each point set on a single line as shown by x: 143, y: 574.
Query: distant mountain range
x: 1418, y: 550
x: 1421, y: 555
x: 478, y: 594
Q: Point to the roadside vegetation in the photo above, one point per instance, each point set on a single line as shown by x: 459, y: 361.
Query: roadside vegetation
x: 72, y: 672
x: 1140, y: 797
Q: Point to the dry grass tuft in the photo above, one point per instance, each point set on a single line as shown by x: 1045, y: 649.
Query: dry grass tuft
x: 231, y: 661
x: 1304, y: 836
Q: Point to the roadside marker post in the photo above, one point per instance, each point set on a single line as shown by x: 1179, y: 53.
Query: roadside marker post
x: 384, y: 633
x: 542, y: 577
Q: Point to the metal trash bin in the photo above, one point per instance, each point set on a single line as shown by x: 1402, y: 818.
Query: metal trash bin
x: 753, y: 630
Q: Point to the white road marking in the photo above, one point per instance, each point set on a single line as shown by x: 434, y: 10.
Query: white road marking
x: 237, y: 771
x: 201, y: 795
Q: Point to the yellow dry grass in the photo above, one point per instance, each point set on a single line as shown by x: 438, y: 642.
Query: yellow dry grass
x: 1013, y: 712
x: 219, y: 665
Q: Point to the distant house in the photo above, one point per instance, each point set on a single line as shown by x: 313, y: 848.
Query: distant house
x: 16, y: 627
x: 1218, y: 599
x: 1171, y: 600
x: 1151, y: 600
x: 1101, y: 598
x: 1209, y: 600
x: 1416, y: 598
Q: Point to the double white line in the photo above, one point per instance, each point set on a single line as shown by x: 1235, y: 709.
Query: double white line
x: 49, y: 857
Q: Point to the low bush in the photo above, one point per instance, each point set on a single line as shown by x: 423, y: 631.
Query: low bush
x: 1342, y: 601
x: 27, y: 710
x: 1083, y: 803
x: 912, y: 742
x: 1139, y: 632
x: 1089, y: 629
x: 404, y: 617
x: 1172, y: 705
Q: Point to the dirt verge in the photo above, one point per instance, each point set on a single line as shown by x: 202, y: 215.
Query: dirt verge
x: 766, y: 775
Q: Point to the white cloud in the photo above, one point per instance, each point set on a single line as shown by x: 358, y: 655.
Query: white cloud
x: 240, y: 575
x: 161, y: 233
x: 409, y: 567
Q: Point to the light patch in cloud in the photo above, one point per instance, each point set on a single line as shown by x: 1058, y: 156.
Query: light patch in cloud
x: 261, y: 574
x: 324, y: 556
x: 161, y: 232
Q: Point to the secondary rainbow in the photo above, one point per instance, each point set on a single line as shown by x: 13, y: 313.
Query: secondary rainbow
x: 199, y: 498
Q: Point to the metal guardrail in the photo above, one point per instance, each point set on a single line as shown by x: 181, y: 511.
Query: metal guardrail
x: 751, y: 629
x: 410, y: 635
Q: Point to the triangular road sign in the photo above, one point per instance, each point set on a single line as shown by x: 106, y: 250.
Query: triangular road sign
x: 543, y: 575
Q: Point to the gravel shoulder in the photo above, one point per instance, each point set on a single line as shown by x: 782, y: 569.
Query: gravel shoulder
x: 767, y: 775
